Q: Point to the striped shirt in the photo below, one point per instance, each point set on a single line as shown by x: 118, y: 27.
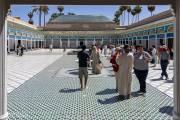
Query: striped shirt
x: 140, y: 60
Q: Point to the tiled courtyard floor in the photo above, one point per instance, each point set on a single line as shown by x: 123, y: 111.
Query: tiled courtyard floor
x: 21, y: 69
x: 53, y: 94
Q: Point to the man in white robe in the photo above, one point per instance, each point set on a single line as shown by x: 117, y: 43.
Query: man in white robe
x: 125, y: 73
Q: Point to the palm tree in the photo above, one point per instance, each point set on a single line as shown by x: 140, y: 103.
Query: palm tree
x: 54, y: 15
x: 133, y: 13
x: 45, y: 10
x: 151, y: 8
x: 122, y: 8
x: 116, y: 17
x: 138, y: 10
x: 128, y: 10
x: 61, y: 9
x: 70, y: 13
x: 38, y: 9
x: 30, y: 15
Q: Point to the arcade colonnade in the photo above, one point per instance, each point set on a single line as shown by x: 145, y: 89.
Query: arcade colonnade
x: 20, y: 32
x: 4, y: 6
x: 32, y: 37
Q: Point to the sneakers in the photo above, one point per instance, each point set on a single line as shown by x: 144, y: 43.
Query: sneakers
x: 144, y: 94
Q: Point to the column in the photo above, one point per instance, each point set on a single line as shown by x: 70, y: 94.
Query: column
x: 34, y: 43
x: 26, y: 44
x: 60, y: 41
x: 85, y: 42
x: 110, y: 39
x: 38, y: 43
x: 102, y: 41
x: 52, y: 41
x: 68, y: 44
x: 41, y: 43
x: 176, y: 112
x: 94, y: 42
x: 156, y: 41
x: 44, y: 42
x: 31, y: 43
x: 9, y: 44
x: 165, y: 37
x: 3, y: 52
x: 77, y: 42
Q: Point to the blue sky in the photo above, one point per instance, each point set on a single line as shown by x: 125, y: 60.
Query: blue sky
x: 106, y: 10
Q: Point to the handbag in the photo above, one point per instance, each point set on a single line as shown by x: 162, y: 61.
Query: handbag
x: 99, y: 68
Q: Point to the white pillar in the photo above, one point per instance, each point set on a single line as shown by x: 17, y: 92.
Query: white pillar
x: 102, y: 40
x: 156, y: 41
x: 9, y: 43
x: 86, y: 41
x: 94, y: 42
x: 110, y: 39
x: 176, y: 112
x: 68, y: 44
x: 15, y: 42
x: 60, y: 42
x: 3, y: 53
x: 38, y: 43
x: 31, y: 43
x: 34, y: 44
x: 44, y: 42
x: 26, y: 44
x: 52, y: 42
x: 165, y: 41
x: 77, y: 42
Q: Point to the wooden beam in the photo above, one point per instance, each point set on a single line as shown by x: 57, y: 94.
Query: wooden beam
x: 94, y: 2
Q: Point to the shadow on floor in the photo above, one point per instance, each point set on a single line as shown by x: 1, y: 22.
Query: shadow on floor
x: 169, y: 81
x: 156, y: 79
x: 109, y: 101
x: 111, y: 75
x: 67, y: 90
x: 167, y: 110
x: 135, y: 94
x: 106, y: 91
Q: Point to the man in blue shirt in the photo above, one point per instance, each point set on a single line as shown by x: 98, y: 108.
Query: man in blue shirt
x: 83, y: 66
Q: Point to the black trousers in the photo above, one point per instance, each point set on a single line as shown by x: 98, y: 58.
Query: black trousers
x: 164, y: 64
x: 141, y: 75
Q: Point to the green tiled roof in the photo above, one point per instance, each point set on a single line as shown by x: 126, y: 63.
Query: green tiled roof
x: 81, y: 18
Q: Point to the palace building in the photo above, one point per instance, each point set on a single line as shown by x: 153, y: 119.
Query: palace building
x: 73, y: 30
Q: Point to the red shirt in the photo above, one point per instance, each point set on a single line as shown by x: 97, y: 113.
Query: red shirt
x: 114, y: 64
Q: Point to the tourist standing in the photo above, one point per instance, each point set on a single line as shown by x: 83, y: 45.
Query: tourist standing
x: 83, y: 66
x: 164, y: 61
x: 21, y: 50
x: 125, y: 62
x: 17, y: 49
x: 112, y: 50
x: 141, y: 67
x: 154, y: 55
x: 95, y: 57
x: 105, y: 50
x: 115, y: 65
x: 50, y: 47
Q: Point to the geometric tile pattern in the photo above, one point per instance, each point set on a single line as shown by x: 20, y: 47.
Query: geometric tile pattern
x: 21, y: 69
x: 166, y: 86
x: 47, y: 97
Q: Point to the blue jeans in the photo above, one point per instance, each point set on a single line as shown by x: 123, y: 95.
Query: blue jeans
x: 164, y: 64
x: 141, y: 75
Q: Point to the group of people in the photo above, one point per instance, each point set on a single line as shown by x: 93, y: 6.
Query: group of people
x: 125, y: 61
x: 129, y: 58
x: 20, y: 50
